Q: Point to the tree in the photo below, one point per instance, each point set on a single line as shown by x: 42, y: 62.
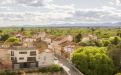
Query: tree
x: 104, y: 42
x: 22, y: 29
x: 92, y: 30
x: 93, y: 61
x: 114, y: 51
x: 1, y: 31
x: 115, y: 40
x: 78, y: 38
x: 4, y: 37
x: 13, y: 41
x: 88, y: 43
x: 118, y: 74
x: 119, y: 33
x: 27, y: 33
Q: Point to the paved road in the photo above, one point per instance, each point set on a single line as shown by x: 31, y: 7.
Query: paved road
x: 68, y: 67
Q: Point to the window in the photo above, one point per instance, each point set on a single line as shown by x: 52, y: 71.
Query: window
x: 12, y: 58
x: 22, y: 52
x: 31, y: 59
x: 32, y: 53
x: 44, y: 58
x: 12, y: 53
x: 21, y: 58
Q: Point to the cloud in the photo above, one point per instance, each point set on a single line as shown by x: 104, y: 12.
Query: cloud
x: 105, y: 14
x: 62, y: 15
x: 118, y: 2
x: 26, y: 2
x: 50, y: 13
x: 115, y: 2
x: 35, y: 12
x: 33, y: 17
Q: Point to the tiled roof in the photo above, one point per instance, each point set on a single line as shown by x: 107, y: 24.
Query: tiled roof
x: 22, y: 48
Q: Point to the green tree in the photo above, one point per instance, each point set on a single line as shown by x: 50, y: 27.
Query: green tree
x: 115, y: 40
x: 119, y: 33
x: 104, y: 42
x: 92, y: 30
x: 114, y: 51
x: 78, y: 38
x: 22, y: 29
x: 13, y: 41
x: 4, y: 37
x: 88, y: 43
x: 1, y: 31
x: 118, y: 74
x: 93, y: 61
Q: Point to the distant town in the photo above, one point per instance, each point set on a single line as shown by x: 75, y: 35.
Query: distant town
x: 64, y: 51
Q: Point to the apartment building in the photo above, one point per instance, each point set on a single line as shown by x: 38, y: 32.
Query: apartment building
x: 24, y: 57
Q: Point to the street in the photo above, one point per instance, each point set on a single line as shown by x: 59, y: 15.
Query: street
x: 68, y: 67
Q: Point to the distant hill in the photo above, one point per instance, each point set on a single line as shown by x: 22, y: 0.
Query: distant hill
x: 105, y: 24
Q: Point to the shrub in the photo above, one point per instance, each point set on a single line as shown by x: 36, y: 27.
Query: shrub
x: 118, y: 74
x: 53, y: 68
x: 10, y: 73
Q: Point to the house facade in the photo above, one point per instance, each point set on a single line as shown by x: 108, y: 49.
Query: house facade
x: 5, y: 61
x: 24, y: 57
x: 45, y: 58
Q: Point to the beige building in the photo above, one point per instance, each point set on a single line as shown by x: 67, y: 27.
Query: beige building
x: 29, y: 57
x: 45, y: 58
x: 5, y: 61
x: 24, y: 57
x: 89, y: 37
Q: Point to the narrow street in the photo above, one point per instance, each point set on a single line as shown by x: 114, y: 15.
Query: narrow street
x: 68, y: 67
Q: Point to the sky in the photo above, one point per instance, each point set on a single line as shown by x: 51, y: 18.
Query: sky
x: 45, y: 12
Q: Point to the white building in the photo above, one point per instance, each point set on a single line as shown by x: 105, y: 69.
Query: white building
x: 69, y: 49
x: 24, y: 57
x: 30, y: 58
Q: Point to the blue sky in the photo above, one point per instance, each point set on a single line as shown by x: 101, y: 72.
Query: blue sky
x: 44, y: 12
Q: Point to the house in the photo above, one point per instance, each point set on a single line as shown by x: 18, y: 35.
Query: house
x: 45, y: 58
x: 62, y: 39
x: 58, y: 44
x: 24, y: 57
x: 49, y: 40
x: 67, y: 48
x: 27, y: 42
x: 20, y: 36
x: 69, y: 38
x: 40, y: 34
x: 89, y: 37
x: 5, y: 61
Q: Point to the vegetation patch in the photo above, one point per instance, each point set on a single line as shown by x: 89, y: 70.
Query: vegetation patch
x: 93, y: 61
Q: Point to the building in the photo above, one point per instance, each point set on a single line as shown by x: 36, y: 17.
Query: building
x: 28, y: 42
x: 45, y: 58
x: 5, y: 61
x: 24, y: 57
x: 62, y: 43
x: 89, y: 37
x: 67, y: 49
